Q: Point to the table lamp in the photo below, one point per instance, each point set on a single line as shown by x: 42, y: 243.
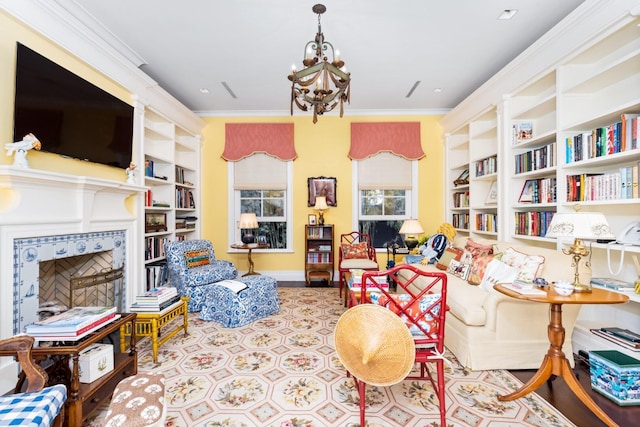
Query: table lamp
x: 410, y: 228
x: 248, y: 223
x: 321, y: 206
x: 580, y: 226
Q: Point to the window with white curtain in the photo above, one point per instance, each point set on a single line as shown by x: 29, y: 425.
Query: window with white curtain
x: 261, y: 185
x: 387, y: 186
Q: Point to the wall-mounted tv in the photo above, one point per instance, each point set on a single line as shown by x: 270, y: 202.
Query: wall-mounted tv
x: 69, y: 115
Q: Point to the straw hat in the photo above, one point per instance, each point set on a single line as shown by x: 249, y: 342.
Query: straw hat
x: 374, y: 345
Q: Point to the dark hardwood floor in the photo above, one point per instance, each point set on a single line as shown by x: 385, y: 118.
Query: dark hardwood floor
x: 558, y: 393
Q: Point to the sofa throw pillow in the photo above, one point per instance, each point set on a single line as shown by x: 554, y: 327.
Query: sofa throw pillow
x: 447, y: 256
x: 528, y: 265
x: 458, y: 269
x: 478, y: 267
x: 197, y: 258
x: 354, y: 250
x: 476, y: 249
x: 429, y: 302
x: 497, y: 272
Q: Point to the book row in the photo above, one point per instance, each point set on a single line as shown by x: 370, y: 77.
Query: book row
x: 486, y: 166
x: 542, y: 190
x: 154, y: 247
x: 184, y: 199
x: 614, y: 138
x: 318, y: 257
x: 487, y: 222
x: 461, y: 199
x: 537, y: 159
x: 616, y: 185
x: 533, y: 223
x: 460, y: 220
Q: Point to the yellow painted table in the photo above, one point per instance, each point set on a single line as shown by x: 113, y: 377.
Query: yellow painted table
x: 149, y: 324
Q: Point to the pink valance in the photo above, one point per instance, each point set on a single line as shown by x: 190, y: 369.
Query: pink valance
x: 400, y: 138
x: 245, y: 139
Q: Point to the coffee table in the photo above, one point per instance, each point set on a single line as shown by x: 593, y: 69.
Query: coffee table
x: 555, y: 362
x: 150, y: 324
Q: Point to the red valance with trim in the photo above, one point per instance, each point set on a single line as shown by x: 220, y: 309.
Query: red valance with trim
x: 245, y: 139
x: 400, y: 138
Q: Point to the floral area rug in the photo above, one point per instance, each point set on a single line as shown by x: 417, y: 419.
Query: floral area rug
x: 283, y: 371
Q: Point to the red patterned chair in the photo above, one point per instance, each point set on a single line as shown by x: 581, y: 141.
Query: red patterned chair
x: 355, y: 252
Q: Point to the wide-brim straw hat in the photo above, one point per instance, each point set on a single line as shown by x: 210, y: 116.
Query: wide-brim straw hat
x: 374, y: 345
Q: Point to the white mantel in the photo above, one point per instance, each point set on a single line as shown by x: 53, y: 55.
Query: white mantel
x: 41, y: 203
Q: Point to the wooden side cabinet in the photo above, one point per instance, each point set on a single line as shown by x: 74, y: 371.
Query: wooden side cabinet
x: 318, y: 253
x: 62, y: 360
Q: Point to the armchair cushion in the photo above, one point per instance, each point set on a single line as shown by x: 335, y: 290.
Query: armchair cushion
x: 38, y: 409
x: 355, y: 250
x: 361, y: 263
x: 197, y: 258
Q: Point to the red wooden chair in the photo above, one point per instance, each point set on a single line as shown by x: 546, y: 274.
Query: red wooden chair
x: 356, y: 252
x: 423, y: 310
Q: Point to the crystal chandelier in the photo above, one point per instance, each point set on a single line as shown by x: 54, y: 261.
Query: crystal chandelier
x: 329, y: 77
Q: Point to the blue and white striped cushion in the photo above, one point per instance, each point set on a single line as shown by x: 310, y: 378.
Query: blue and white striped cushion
x: 37, y: 409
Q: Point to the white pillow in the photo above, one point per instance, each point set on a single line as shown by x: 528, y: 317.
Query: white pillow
x: 528, y: 265
x: 497, y: 272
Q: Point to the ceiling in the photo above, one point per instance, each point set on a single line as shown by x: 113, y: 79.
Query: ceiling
x: 387, y: 46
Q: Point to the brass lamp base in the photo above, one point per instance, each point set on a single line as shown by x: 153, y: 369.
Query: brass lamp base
x: 578, y: 250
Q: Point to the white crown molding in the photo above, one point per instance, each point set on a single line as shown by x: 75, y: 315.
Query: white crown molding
x: 65, y: 23
x: 592, y: 20
x: 347, y: 112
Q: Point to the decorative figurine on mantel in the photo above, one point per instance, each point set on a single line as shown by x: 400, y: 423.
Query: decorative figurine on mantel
x: 19, y: 149
x: 131, y: 173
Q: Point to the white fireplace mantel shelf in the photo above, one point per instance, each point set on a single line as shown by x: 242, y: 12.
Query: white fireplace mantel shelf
x: 31, y: 196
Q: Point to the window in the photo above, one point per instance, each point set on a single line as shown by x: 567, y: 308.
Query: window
x: 260, y: 185
x: 269, y: 207
x: 386, y: 190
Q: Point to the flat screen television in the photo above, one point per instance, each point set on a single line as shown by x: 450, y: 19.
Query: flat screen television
x: 69, y: 115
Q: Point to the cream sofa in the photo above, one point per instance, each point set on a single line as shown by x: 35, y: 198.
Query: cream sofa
x: 489, y: 330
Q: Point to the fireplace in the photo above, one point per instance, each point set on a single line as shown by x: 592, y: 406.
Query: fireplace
x: 46, y: 216
x: 45, y: 267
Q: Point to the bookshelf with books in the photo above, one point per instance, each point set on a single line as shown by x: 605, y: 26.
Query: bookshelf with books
x: 556, y: 105
x: 172, y: 175
x: 319, y: 246
x: 483, y: 174
x: 457, y: 182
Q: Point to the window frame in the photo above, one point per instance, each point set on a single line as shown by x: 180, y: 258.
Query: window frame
x: 411, y: 199
x: 233, y: 204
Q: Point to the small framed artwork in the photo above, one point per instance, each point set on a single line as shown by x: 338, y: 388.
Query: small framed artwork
x: 526, y: 195
x: 262, y: 240
x: 312, y: 219
x: 492, y: 195
x: 322, y: 186
x: 522, y: 131
x: 463, y: 179
x: 155, y: 222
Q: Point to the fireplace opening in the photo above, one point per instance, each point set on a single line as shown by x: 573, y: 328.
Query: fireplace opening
x: 81, y: 280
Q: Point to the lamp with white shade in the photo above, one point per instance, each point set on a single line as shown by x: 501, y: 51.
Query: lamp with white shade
x: 411, y: 228
x: 321, y: 206
x: 579, y: 226
x: 248, y: 222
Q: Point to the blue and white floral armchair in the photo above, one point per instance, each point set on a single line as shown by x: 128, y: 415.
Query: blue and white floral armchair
x: 196, y: 273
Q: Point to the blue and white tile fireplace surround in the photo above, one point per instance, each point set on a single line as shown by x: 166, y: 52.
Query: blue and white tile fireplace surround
x: 48, y: 215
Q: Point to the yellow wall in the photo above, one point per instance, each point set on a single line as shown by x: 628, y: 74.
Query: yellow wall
x: 322, y: 151
x: 12, y: 31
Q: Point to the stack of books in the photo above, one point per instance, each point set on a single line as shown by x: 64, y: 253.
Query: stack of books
x: 73, y: 324
x: 623, y: 337
x: 611, y: 283
x: 155, y: 300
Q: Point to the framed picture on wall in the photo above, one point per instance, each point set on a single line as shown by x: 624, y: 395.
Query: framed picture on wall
x: 322, y: 186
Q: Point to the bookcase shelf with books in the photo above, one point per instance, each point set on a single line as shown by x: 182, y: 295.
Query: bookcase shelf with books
x: 580, y: 77
x: 458, y: 179
x: 172, y: 174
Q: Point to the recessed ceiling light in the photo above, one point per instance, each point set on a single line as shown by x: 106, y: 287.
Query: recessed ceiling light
x: 204, y: 90
x: 437, y: 90
x: 507, y: 14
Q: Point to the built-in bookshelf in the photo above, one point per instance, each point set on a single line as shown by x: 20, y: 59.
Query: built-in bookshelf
x: 172, y: 175
x: 566, y: 111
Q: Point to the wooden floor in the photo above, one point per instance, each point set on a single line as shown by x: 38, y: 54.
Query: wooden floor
x: 559, y: 395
